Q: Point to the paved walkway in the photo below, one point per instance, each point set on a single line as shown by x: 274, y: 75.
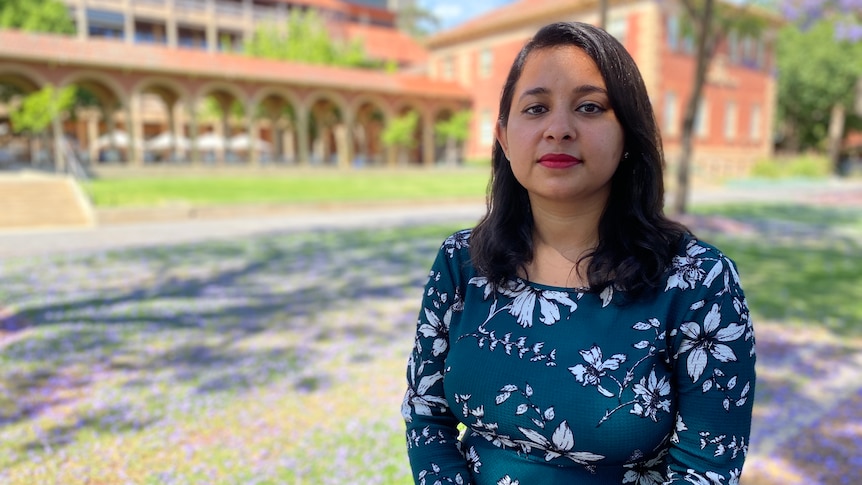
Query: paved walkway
x: 32, y: 242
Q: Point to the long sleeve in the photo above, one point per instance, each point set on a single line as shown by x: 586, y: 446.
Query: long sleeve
x: 432, y: 434
x: 712, y: 353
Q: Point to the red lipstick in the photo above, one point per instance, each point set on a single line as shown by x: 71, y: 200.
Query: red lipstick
x: 558, y: 160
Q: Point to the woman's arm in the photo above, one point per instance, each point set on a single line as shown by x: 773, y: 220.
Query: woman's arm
x: 712, y: 351
x: 432, y: 434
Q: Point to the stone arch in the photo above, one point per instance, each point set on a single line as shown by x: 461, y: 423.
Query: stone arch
x: 278, y: 113
x: 370, y: 116
x: 327, y: 129
x: 16, y: 82
x: 412, y: 155
x: 218, y: 120
x: 164, y: 121
x: 448, y: 150
x: 105, y: 134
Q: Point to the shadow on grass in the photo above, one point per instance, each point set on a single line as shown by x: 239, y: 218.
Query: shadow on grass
x: 216, y: 317
x: 799, y: 264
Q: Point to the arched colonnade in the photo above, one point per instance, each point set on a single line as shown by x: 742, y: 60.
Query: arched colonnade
x: 139, y: 118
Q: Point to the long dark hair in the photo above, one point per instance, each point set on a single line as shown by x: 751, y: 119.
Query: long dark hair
x: 636, y: 241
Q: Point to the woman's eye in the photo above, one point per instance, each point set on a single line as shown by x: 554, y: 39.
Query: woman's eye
x: 535, y: 110
x: 590, y: 108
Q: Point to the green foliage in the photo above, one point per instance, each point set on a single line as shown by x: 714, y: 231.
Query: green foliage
x: 306, y: 39
x: 416, y: 21
x: 457, y: 127
x: 37, y: 109
x: 815, y: 72
x: 401, y: 131
x: 806, y: 166
x: 36, y: 16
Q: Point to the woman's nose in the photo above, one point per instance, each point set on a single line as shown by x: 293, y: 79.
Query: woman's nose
x: 559, y: 126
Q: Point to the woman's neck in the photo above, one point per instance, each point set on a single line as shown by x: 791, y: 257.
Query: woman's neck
x: 562, y: 235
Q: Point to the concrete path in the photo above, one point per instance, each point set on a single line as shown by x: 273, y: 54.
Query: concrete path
x: 32, y: 242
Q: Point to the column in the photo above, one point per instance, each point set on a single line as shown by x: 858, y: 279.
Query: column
x: 129, y: 22
x: 211, y: 32
x: 194, y: 152
x: 136, y: 130
x: 81, y: 22
x: 171, y: 28
x: 57, y: 129
x: 92, y: 136
x: 302, y: 142
x: 427, y: 139
x: 251, y: 127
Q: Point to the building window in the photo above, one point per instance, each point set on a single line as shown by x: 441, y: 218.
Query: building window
x: 673, y: 32
x: 701, y: 120
x: 486, y: 62
x: 733, y: 47
x: 486, y: 128
x: 448, y: 68
x: 730, y: 120
x: 619, y: 28
x: 670, y: 113
x: 754, y: 127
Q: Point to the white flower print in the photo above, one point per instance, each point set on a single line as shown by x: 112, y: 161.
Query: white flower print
x: 705, y: 341
x: 709, y: 478
x: 645, y: 473
x: 680, y: 427
x: 525, y: 298
x: 687, y: 271
x: 560, y: 444
x: 592, y: 374
x: 507, y: 480
x: 437, y: 329
x: 416, y: 396
x: 472, y: 458
x: 651, y: 393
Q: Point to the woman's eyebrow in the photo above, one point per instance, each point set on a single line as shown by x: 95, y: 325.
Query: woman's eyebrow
x: 580, y: 91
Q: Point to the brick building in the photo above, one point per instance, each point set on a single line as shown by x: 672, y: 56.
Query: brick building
x: 734, y: 124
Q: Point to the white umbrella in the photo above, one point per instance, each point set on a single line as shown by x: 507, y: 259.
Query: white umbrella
x: 167, y: 140
x: 120, y: 139
x: 210, y: 141
x: 244, y: 142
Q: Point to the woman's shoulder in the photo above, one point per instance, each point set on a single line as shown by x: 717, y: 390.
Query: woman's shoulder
x: 698, y: 264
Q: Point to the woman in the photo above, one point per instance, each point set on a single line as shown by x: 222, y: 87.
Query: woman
x: 579, y: 335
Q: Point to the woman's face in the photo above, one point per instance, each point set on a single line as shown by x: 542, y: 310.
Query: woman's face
x: 562, y: 139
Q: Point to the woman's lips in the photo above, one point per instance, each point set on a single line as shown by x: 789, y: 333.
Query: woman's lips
x: 558, y: 160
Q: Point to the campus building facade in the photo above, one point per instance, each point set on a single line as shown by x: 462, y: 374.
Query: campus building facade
x: 153, y: 65
x: 733, y: 126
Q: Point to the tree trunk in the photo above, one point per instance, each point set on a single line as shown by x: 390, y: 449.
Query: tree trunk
x: 703, y: 24
x: 836, y: 134
x: 603, y: 14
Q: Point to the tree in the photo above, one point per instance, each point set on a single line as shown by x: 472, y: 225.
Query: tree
x: 401, y: 133
x: 817, y: 82
x: 36, y: 16
x: 306, y: 39
x: 38, y: 109
x: 814, y: 75
x: 453, y: 131
x: 416, y: 21
x: 710, y: 22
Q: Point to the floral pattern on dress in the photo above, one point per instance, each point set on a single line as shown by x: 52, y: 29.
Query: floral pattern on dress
x: 702, y: 340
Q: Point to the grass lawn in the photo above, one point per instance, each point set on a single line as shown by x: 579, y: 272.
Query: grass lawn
x: 280, y: 358
x: 291, y: 187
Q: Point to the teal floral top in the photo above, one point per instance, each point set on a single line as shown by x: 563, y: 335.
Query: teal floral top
x: 563, y: 386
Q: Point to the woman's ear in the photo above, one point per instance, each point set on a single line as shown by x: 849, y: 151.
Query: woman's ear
x: 502, y: 137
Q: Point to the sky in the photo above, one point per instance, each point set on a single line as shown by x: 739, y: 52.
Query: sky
x: 454, y: 12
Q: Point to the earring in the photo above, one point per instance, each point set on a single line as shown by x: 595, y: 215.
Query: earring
x: 626, y: 156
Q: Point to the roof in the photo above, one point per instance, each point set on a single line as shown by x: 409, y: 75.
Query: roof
x: 522, y: 12
x: 506, y: 17
x: 116, y: 54
x: 388, y: 44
